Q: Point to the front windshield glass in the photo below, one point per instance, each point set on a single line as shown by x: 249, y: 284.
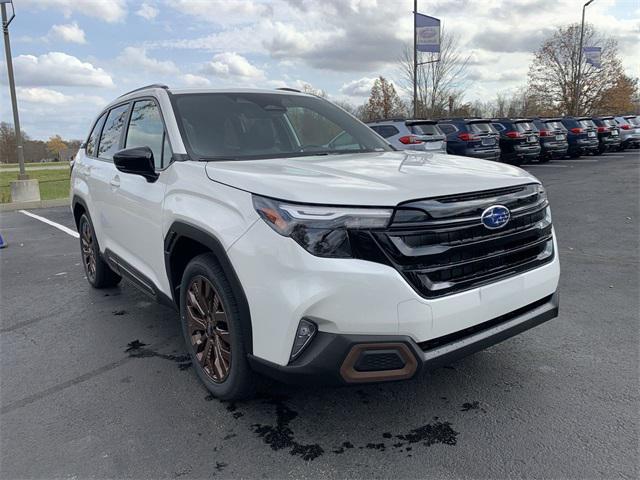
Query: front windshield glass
x: 244, y: 126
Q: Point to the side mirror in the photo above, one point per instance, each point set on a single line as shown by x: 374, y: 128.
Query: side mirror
x: 137, y: 161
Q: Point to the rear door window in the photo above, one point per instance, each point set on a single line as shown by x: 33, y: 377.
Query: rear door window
x: 385, y: 131
x: 112, y: 132
x: 587, y: 123
x: 425, y: 129
x: 92, y: 143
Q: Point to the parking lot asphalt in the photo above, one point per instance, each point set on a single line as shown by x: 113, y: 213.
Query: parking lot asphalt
x: 82, y: 398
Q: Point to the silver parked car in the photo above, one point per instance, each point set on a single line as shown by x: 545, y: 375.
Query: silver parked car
x: 423, y: 135
x: 629, y: 130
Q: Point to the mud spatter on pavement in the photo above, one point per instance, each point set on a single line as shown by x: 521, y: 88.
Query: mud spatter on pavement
x: 280, y: 436
x: 475, y: 405
x: 136, y: 349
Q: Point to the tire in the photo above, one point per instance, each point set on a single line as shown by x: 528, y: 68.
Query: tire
x: 97, y: 271
x: 212, y: 330
x: 544, y: 159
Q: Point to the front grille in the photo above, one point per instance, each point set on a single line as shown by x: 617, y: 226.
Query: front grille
x: 440, y: 245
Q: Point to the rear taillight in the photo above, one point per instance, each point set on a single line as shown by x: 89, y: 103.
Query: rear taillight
x: 467, y: 137
x: 577, y: 130
x: 409, y: 140
x: 603, y: 129
x: 545, y: 133
x: 514, y: 134
x: 625, y: 127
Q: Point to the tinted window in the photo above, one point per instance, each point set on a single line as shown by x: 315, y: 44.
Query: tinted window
x: 633, y: 121
x: 425, y: 129
x: 498, y: 126
x: 587, y: 123
x: 92, y: 143
x: 265, y: 125
x: 525, y: 126
x: 481, y: 128
x: 555, y: 125
x: 110, y: 139
x: 385, y: 131
x: 146, y: 129
x: 447, y: 128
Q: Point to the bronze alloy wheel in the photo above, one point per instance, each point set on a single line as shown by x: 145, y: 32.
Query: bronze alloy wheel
x: 208, y: 329
x: 88, y: 250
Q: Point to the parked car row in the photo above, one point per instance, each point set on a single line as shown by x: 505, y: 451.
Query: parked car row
x: 514, y: 140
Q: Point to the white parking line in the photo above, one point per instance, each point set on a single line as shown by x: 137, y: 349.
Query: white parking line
x: 66, y: 230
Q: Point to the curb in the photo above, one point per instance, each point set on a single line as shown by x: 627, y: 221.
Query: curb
x: 58, y: 202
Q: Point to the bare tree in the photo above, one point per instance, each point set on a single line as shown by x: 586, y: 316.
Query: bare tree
x: 553, y: 74
x: 383, y: 102
x: 437, y: 81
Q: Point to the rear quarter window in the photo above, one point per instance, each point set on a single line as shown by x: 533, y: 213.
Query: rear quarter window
x: 385, y: 131
x: 92, y: 143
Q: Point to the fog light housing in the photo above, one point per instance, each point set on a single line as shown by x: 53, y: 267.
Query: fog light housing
x: 304, y: 334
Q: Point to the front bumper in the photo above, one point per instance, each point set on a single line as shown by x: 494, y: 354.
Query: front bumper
x: 284, y: 283
x: 340, y: 359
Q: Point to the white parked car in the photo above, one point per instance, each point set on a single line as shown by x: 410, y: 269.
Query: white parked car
x: 292, y: 256
x: 629, y: 126
x: 421, y: 135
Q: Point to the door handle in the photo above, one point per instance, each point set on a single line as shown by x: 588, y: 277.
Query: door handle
x: 115, y: 181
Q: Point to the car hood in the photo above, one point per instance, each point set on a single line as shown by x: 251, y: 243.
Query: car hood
x: 377, y: 178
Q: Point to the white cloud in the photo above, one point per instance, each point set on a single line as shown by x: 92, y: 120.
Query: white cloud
x: 358, y: 88
x: 230, y: 64
x: 147, y: 11
x: 107, y: 10
x: 58, y: 68
x: 68, y: 33
x: 137, y: 57
x: 47, y: 96
x: 190, y: 80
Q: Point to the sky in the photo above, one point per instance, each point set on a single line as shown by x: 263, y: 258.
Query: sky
x: 71, y: 57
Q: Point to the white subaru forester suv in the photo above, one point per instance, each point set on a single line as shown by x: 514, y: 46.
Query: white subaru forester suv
x: 296, y: 243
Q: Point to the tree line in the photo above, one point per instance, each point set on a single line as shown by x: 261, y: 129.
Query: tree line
x: 55, y: 149
x: 552, y: 88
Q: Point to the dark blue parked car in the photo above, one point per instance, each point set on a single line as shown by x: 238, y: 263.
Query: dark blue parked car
x: 471, y: 137
x: 518, y: 140
x: 582, y: 135
x: 553, y: 138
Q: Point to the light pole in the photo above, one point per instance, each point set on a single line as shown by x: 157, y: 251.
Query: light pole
x: 578, y: 78
x: 23, y: 189
x: 415, y: 61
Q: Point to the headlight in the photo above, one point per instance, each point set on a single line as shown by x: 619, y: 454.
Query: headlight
x: 321, y: 230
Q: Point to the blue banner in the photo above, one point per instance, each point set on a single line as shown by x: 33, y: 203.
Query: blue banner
x: 427, y: 33
x: 592, y: 56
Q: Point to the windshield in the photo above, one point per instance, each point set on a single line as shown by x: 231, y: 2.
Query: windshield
x: 525, y: 126
x: 481, y: 128
x: 425, y: 129
x: 554, y: 125
x: 610, y: 122
x: 243, y: 126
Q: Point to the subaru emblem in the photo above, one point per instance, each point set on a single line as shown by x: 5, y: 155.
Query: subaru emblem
x: 496, y: 216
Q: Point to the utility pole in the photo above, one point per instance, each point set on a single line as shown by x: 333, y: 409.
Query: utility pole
x: 12, y: 88
x: 415, y: 61
x: 578, y: 86
x: 23, y: 189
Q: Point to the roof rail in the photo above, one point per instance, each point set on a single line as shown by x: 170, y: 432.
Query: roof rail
x: 153, y: 85
x: 288, y: 89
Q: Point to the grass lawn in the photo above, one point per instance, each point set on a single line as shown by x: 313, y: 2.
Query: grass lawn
x: 53, y: 183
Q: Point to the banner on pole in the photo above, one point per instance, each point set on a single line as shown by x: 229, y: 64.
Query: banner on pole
x: 592, y: 56
x: 427, y: 33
